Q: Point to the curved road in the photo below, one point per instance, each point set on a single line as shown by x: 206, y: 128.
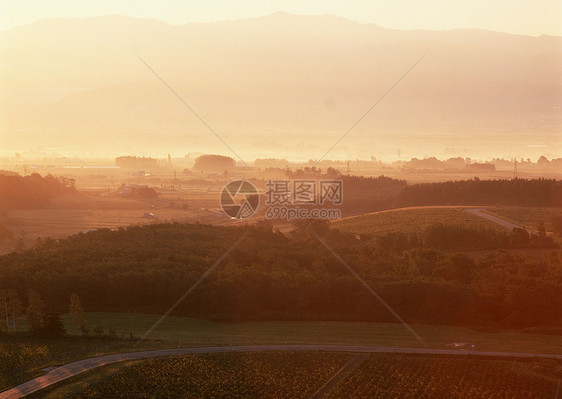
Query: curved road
x: 407, y: 208
x: 508, y: 225
x: 476, y: 211
x: 72, y: 369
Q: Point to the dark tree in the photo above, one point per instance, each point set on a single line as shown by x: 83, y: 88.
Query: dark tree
x: 35, y: 312
x: 52, y: 325
x: 213, y: 163
x: 557, y: 225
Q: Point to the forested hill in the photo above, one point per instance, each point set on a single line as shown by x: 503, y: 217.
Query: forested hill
x: 294, y: 277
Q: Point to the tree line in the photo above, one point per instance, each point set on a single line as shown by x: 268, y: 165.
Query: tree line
x: 369, y: 194
x: 272, y: 276
x: 31, y: 191
x: 40, y: 317
x: 515, y: 192
x: 452, y: 237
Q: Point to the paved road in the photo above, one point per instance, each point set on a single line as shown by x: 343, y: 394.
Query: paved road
x: 72, y: 369
x: 406, y: 209
x: 470, y: 209
x: 508, y: 225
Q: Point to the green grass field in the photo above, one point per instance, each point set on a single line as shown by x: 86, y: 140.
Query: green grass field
x: 410, y: 220
x: 185, y: 332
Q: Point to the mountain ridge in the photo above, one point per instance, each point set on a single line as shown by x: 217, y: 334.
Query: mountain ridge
x: 307, y: 76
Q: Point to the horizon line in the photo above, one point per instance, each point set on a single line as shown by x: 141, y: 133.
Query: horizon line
x: 278, y: 12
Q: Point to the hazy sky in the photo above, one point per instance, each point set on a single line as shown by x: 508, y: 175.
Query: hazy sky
x: 528, y: 17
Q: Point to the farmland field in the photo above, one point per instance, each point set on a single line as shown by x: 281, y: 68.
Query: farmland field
x: 75, y: 213
x: 301, y: 374
x: 23, y: 357
x: 528, y: 217
x: 410, y: 220
x: 391, y: 376
x: 252, y: 375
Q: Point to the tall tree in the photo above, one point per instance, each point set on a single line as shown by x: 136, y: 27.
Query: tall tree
x: 16, y: 308
x: 4, y: 314
x: 557, y: 225
x: 77, y: 313
x: 12, y: 308
x: 35, y: 312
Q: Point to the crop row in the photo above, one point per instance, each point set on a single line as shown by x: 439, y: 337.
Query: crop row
x: 391, y: 376
x: 299, y: 375
x: 232, y: 375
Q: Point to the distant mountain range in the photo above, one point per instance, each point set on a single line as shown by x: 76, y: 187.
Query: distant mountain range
x: 283, y: 86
